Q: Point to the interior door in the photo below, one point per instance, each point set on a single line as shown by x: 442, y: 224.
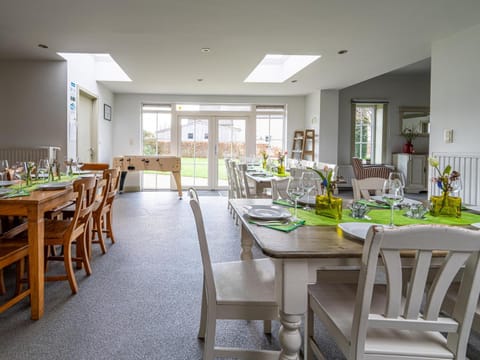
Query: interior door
x: 86, y: 149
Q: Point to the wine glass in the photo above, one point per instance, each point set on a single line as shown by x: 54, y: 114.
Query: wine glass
x: 42, y: 169
x: 3, y: 168
x: 295, y: 190
x: 309, y: 181
x: 392, y: 192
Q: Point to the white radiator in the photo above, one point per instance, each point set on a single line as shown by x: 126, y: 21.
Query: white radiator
x: 14, y: 155
x: 468, y: 165
x: 346, y: 172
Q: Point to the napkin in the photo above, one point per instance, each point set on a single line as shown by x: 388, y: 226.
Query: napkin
x: 290, y: 226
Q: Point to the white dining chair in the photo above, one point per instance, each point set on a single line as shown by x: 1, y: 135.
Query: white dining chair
x: 279, y: 188
x: 402, y: 319
x: 364, y: 188
x: 233, y: 290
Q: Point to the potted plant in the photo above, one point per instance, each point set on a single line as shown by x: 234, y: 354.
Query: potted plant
x: 409, y: 135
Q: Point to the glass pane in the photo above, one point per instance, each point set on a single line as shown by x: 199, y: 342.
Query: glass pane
x: 156, y: 141
x: 194, y: 151
x: 270, y: 133
x: 231, y: 144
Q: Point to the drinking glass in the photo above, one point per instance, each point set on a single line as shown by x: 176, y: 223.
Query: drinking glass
x: 309, y: 181
x: 42, y: 169
x: 295, y: 190
x: 3, y: 169
x: 392, y: 192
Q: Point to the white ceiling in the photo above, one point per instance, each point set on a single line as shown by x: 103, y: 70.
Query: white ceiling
x: 158, y: 42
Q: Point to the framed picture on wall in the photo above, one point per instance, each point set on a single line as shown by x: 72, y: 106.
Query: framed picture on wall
x: 107, y: 112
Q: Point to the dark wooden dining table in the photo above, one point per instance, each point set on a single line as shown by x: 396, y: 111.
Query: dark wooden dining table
x: 33, y: 207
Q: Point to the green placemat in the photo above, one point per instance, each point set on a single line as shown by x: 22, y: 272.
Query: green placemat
x: 35, y: 183
x: 383, y: 217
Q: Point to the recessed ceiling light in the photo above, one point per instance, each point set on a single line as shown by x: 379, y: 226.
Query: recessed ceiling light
x: 294, y: 81
x: 199, y: 80
x: 276, y: 68
x: 341, y: 52
x: 43, y: 46
x: 205, y: 50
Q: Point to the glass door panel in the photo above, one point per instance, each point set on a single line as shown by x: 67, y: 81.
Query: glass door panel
x: 194, y: 150
x: 230, y: 144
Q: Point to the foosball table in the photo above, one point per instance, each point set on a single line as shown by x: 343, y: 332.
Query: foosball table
x: 130, y: 163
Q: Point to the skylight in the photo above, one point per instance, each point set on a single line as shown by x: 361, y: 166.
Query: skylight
x: 104, y: 67
x: 278, y: 68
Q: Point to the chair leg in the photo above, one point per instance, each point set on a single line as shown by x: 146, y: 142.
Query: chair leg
x: 209, y: 346
x: 109, y: 226
x: 82, y: 244
x: 98, y: 227
x: 67, y: 260
x: 2, y: 283
x: 203, y: 314
x: 267, y: 326
x: 20, y: 270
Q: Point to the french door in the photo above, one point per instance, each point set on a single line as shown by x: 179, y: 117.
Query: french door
x: 205, y: 141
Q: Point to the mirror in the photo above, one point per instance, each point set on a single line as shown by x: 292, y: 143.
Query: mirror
x: 415, y: 119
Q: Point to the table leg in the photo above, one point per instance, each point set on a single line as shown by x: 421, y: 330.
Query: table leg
x: 289, y: 336
x: 178, y: 181
x: 246, y: 243
x: 36, y: 262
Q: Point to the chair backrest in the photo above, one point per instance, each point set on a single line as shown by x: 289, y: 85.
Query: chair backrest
x: 279, y: 188
x: 103, y: 189
x: 357, y: 167
x: 114, y: 175
x: 243, y: 179
x: 364, y: 188
x: 94, y: 166
x: 210, y: 290
x: 90, y: 187
x: 239, y: 181
x: 423, y: 299
x: 231, y: 185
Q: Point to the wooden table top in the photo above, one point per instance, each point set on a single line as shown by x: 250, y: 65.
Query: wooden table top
x: 303, y: 242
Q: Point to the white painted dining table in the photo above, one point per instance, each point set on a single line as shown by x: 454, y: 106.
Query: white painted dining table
x: 297, y: 256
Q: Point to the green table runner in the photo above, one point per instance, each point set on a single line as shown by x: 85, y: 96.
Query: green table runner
x: 23, y: 190
x: 383, y: 217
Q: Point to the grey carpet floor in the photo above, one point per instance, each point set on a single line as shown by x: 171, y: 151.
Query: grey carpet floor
x: 143, y: 299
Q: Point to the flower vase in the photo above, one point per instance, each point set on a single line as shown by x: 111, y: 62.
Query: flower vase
x: 264, y: 164
x: 446, y: 205
x: 408, y: 148
x: 329, y: 206
x: 281, y: 169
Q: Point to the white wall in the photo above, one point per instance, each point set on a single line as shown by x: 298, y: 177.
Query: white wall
x: 399, y: 90
x: 81, y: 70
x: 312, y: 117
x: 456, y: 92
x: 329, y: 126
x: 33, y: 103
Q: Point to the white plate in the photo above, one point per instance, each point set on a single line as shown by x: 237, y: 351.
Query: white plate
x: 356, y: 229
x: 268, y: 212
x: 477, y: 225
x: 54, y: 186
x: 406, y: 201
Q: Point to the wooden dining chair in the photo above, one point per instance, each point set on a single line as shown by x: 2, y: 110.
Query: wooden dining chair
x: 233, y: 290
x: 94, y: 166
x: 100, y: 210
x: 14, y: 252
x: 364, y: 188
x: 65, y: 232
x: 105, y: 223
x: 402, y: 319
